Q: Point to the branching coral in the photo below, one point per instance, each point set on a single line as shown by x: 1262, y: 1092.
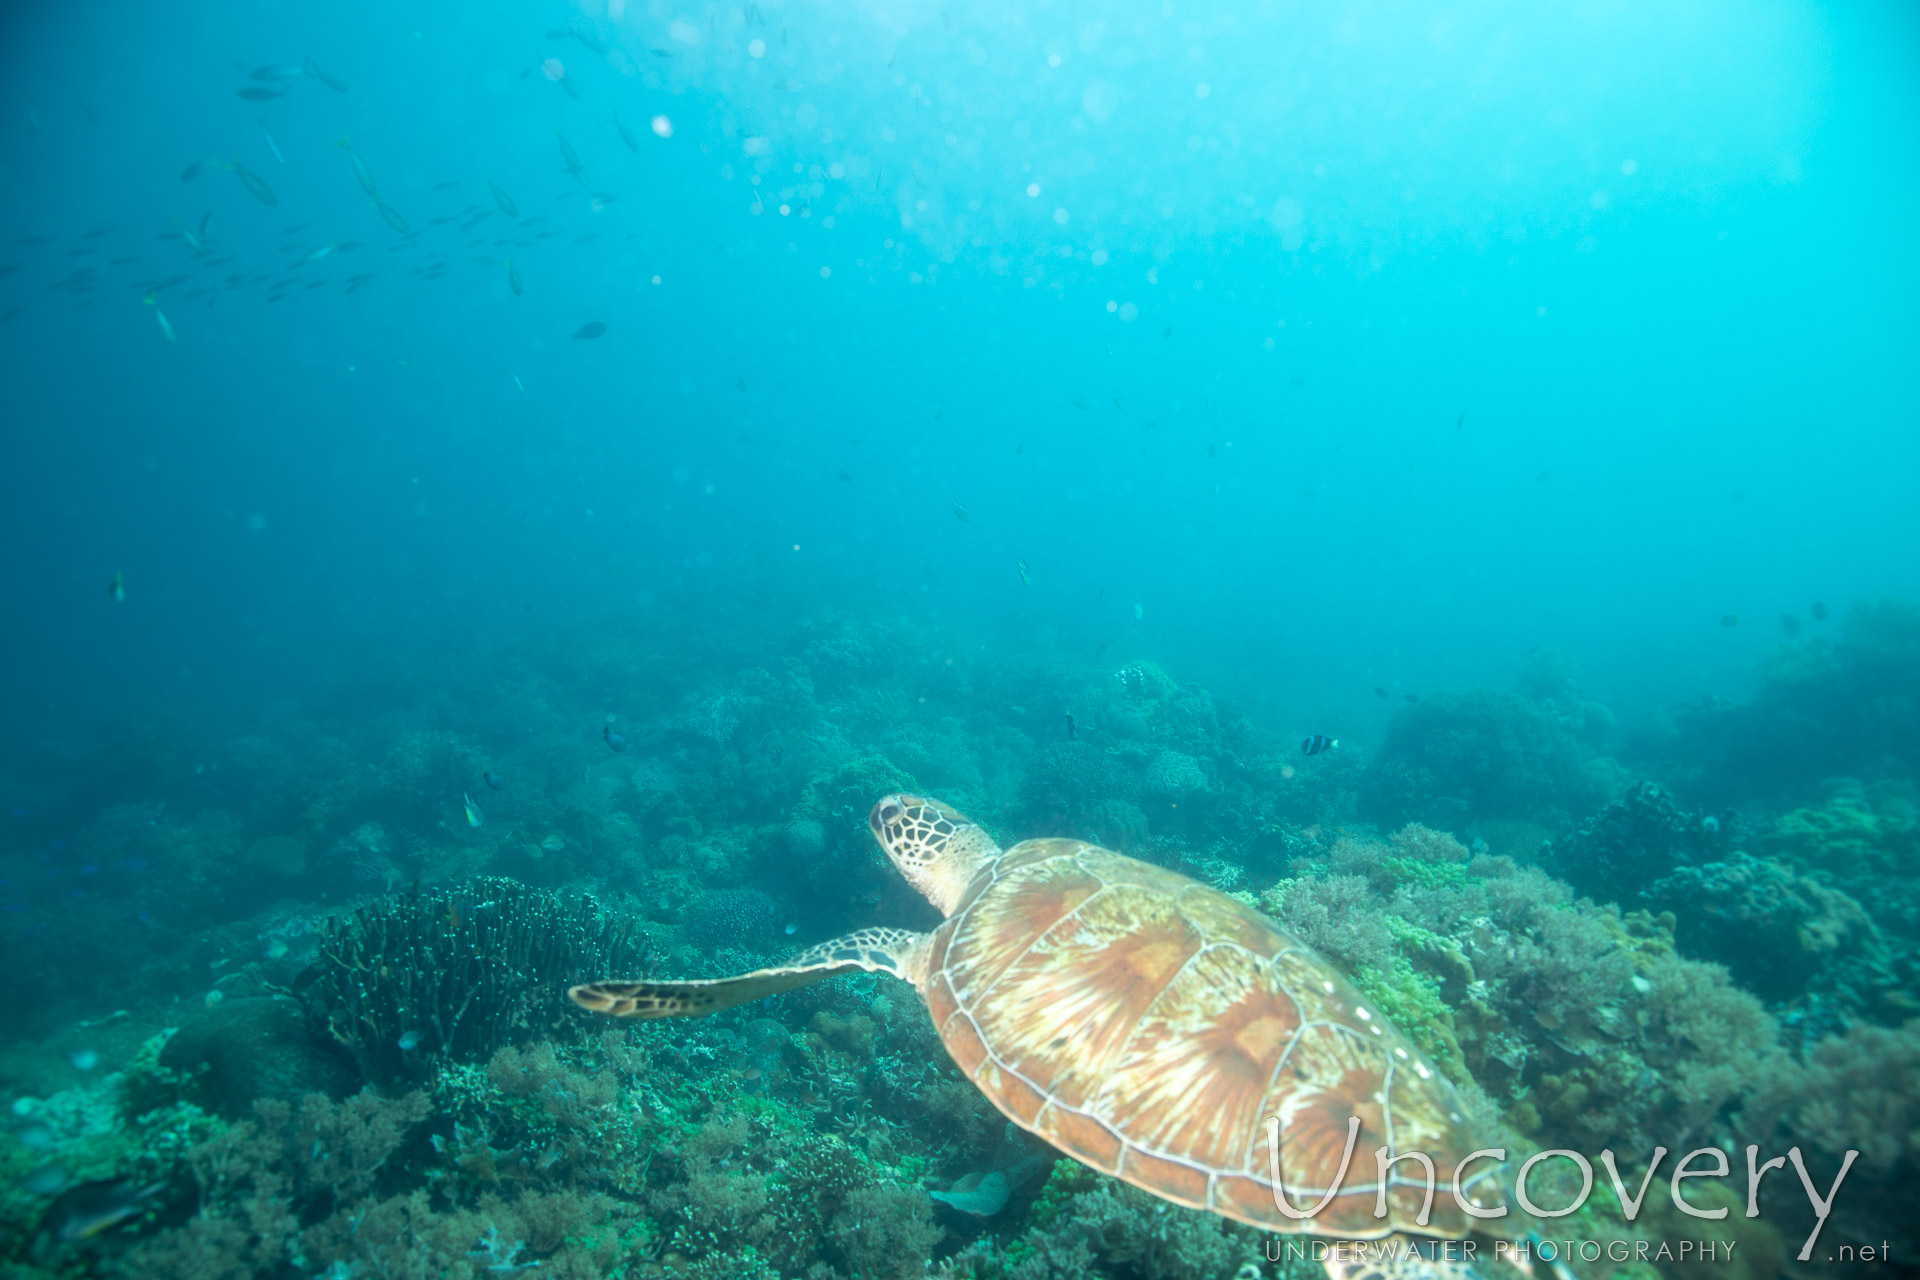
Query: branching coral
x: 462, y: 972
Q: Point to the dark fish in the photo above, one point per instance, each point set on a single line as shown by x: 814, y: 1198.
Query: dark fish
x: 86, y: 1210
x: 1460, y: 421
x: 1819, y: 611
x: 316, y: 73
x: 590, y: 330
x: 1073, y: 730
x: 1790, y: 624
x: 571, y: 159
x: 513, y: 278
x: 269, y: 74
x: 626, y: 137
x: 254, y: 93
x: 1317, y: 743
x: 493, y: 780
x: 961, y: 513
x: 256, y: 185
x: 1382, y: 692
x: 393, y: 217
x: 1410, y: 697
x: 844, y: 477
x: 505, y: 201
x: 192, y: 171
x: 1729, y: 619
x: 614, y: 740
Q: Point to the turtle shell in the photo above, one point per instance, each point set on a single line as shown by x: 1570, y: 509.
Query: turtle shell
x: 1149, y: 1026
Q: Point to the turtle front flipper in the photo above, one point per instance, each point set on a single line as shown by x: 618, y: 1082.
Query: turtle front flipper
x: 899, y: 952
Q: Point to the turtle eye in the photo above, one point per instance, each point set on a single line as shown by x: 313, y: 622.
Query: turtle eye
x: 890, y: 812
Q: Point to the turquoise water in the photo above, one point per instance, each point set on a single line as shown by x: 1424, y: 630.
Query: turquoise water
x: 465, y: 455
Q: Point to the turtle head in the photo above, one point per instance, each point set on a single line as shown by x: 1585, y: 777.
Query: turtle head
x: 936, y: 848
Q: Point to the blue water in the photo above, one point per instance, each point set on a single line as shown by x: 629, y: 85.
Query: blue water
x: 1681, y: 384
x: 1330, y: 358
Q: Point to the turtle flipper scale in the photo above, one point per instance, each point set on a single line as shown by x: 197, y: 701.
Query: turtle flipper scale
x: 873, y: 950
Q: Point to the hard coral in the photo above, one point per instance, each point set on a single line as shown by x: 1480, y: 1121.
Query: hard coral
x: 1067, y: 783
x: 1476, y: 755
x: 461, y: 972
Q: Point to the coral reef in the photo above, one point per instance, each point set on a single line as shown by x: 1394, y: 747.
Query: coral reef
x: 461, y: 972
x: 1582, y: 1024
x: 1598, y: 962
x: 1460, y: 757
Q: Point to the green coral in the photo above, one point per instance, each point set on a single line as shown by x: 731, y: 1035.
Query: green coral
x: 1411, y: 1001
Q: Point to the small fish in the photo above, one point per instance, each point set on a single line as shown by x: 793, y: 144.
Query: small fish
x: 84, y: 1211
x: 117, y: 589
x: 493, y: 780
x: 1729, y: 619
x: 1819, y: 611
x: 166, y: 328
x: 513, y: 278
x: 1790, y: 624
x: 271, y: 144
x: 572, y: 160
x: 315, y: 73
x: 360, y: 170
x: 590, y: 330
x: 192, y: 171
x: 1139, y: 611
x: 1073, y: 730
x: 314, y: 255
x: 84, y: 1059
x: 475, y: 818
x: 1382, y: 692
x: 614, y: 740
x: 518, y: 383
x: 626, y: 137
x: 392, y: 215
x: 1410, y: 697
x: 254, y: 93
x: 197, y: 239
x: 256, y: 186
x: 505, y: 201
x: 1025, y: 580
x: 272, y: 75
x: 554, y: 843
x: 410, y: 1040
x: 1460, y: 421
x: 961, y: 513
x: 1318, y: 743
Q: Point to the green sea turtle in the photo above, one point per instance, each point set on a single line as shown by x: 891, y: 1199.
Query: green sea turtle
x: 1156, y: 1030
